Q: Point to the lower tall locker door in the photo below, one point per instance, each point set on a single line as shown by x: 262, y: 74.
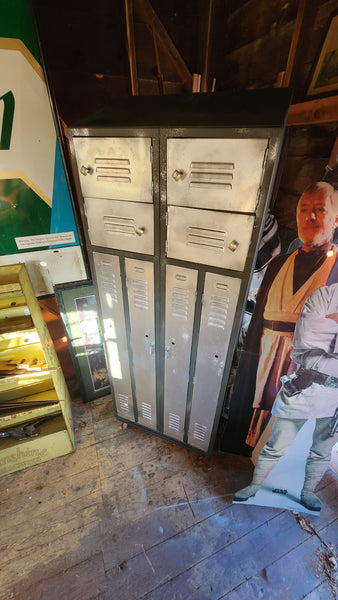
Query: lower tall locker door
x: 179, y: 319
x: 107, y: 268
x: 140, y: 286
x: 218, y: 311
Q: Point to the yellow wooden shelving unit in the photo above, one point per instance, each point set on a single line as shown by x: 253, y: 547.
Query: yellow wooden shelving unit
x: 32, y: 385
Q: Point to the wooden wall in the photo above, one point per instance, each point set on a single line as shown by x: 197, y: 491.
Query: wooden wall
x: 253, y: 46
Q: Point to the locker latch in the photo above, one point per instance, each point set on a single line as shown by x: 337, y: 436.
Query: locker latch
x: 85, y: 170
x: 233, y: 245
x: 179, y: 174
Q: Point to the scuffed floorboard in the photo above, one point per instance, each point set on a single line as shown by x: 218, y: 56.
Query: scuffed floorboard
x: 130, y: 516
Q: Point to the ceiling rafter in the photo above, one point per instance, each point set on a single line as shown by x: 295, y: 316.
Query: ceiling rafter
x: 145, y: 11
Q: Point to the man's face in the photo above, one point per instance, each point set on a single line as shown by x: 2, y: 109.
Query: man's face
x: 316, y: 218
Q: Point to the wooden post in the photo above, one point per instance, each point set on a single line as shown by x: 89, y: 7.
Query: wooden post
x: 131, y: 46
x: 294, y: 44
x: 207, y: 49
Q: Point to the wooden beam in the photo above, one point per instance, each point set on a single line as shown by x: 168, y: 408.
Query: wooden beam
x: 207, y: 49
x: 131, y: 46
x: 146, y: 12
x: 294, y: 44
x: 322, y: 110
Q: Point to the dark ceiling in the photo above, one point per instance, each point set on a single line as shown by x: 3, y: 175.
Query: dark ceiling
x: 232, y: 44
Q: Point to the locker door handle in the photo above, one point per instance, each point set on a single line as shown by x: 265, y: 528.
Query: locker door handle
x: 178, y: 174
x: 220, y: 369
x: 85, y: 170
x: 139, y: 230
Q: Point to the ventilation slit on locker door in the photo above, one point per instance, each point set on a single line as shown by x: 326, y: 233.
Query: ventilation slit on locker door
x: 180, y: 303
x: 199, y: 432
x: 146, y: 411
x: 109, y: 284
x: 174, y: 422
x: 211, y: 175
x: 115, y: 170
x: 209, y: 238
x: 124, y: 402
x: 119, y: 225
x: 140, y: 293
x: 218, y: 311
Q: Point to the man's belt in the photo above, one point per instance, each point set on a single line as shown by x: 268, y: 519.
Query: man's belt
x: 321, y: 378
x: 303, y: 378
x: 283, y: 326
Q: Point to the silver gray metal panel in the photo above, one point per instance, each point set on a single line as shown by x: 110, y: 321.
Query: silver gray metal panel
x: 122, y: 225
x: 209, y: 237
x: 218, y: 311
x: 115, y: 167
x: 219, y: 174
x: 107, y: 271
x: 140, y: 286
x: 179, y: 319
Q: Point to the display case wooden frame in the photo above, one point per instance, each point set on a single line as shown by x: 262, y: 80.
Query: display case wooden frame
x: 78, y: 310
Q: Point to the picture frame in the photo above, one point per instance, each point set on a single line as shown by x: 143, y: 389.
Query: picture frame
x: 325, y: 76
x: 78, y: 310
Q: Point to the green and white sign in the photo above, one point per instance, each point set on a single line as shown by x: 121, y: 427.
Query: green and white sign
x: 36, y: 212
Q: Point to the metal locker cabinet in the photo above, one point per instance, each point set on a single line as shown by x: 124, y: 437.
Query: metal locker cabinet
x: 173, y: 192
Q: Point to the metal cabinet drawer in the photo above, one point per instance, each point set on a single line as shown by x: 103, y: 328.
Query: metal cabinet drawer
x: 218, y: 174
x: 115, y: 167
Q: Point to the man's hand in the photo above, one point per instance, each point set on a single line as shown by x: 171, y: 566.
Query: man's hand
x: 333, y: 316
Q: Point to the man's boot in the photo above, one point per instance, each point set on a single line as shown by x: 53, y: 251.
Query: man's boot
x: 262, y: 470
x: 313, y: 474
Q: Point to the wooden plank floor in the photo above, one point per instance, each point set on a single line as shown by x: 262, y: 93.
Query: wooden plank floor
x: 131, y: 516
x: 112, y: 521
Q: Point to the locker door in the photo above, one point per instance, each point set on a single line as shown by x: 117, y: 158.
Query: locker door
x: 109, y: 288
x: 218, y: 174
x: 140, y: 286
x: 122, y: 225
x: 179, y: 318
x: 218, y: 311
x: 209, y: 237
x: 115, y: 167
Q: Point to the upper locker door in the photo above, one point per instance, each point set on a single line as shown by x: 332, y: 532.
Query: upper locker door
x: 212, y: 190
x: 215, y: 174
x: 116, y: 181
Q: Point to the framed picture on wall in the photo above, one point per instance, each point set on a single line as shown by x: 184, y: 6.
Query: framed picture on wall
x: 325, y: 76
x: 78, y: 309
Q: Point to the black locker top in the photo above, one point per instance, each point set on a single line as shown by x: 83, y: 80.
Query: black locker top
x: 248, y: 108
